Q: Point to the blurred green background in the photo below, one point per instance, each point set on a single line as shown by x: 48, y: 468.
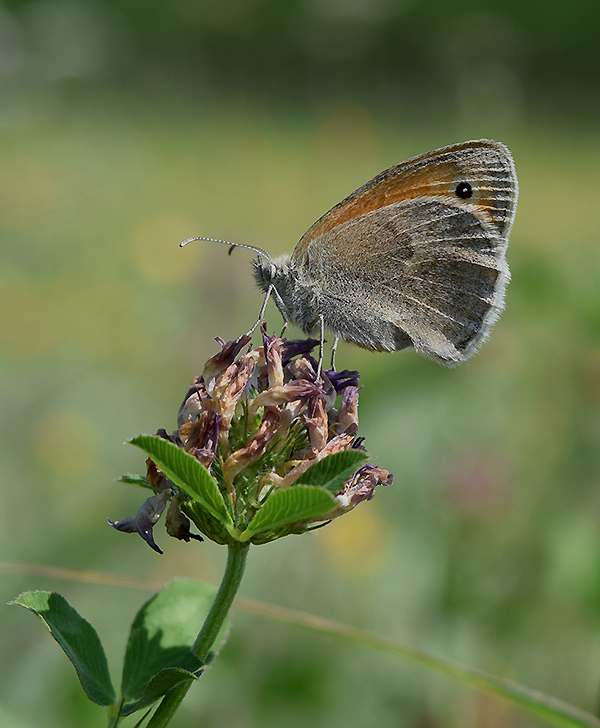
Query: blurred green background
x: 126, y: 127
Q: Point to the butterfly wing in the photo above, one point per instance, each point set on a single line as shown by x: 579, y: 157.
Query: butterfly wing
x: 409, y: 259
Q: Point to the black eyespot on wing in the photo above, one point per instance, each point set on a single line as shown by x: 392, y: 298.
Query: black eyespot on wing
x: 464, y: 190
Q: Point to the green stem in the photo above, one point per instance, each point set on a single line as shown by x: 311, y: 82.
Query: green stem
x: 114, y: 712
x: 234, y: 570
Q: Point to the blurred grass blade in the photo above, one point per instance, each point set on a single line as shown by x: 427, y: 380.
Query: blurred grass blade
x: 289, y: 506
x: 186, y: 472
x: 78, y: 639
x: 554, y: 711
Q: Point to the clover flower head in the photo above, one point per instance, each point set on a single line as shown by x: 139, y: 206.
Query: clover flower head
x: 264, y: 448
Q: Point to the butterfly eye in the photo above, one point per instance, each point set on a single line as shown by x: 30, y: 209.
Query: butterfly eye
x: 464, y: 190
x: 267, y: 272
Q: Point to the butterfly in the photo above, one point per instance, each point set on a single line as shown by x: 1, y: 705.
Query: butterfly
x: 413, y: 258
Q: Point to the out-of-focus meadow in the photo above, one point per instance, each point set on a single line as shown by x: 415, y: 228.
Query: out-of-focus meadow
x: 125, y: 129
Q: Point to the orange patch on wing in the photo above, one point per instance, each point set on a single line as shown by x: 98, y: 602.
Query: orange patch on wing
x: 391, y: 187
x: 435, y: 173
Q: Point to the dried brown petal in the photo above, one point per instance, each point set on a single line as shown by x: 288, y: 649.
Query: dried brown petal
x: 329, y: 391
x: 230, y: 387
x: 272, y: 352
x: 294, y: 390
x: 200, y: 438
x: 317, y: 424
x: 217, y: 364
x: 155, y: 475
x: 192, y: 404
x: 302, y: 369
x: 305, y: 369
x: 360, y: 487
x: 343, y: 441
x: 289, y: 414
x: 348, y: 413
x: 177, y: 524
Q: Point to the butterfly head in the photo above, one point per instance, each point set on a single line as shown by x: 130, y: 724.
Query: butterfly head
x: 269, y: 271
x: 278, y: 275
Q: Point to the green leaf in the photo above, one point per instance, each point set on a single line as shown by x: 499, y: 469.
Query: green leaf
x: 297, y: 503
x: 132, y: 479
x: 162, y: 634
x: 160, y: 685
x: 334, y: 470
x: 78, y: 639
x: 186, y: 472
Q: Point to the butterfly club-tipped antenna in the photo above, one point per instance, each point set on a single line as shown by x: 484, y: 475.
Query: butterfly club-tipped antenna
x: 259, y: 251
x: 265, y: 257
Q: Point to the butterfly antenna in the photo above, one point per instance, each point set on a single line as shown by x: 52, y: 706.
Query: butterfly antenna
x: 259, y: 251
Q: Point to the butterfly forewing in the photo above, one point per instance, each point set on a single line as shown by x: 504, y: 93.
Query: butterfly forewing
x: 486, y: 165
x: 406, y: 255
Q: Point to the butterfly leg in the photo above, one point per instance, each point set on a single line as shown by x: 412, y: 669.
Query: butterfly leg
x: 333, y: 352
x: 263, y: 308
x: 281, y: 307
x: 321, y: 345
